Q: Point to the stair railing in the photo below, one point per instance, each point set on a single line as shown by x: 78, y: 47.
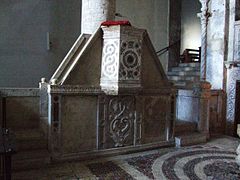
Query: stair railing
x: 191, y: 55
x: 166, y: 49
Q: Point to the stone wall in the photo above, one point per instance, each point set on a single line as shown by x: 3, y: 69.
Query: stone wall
x: 22, y: 108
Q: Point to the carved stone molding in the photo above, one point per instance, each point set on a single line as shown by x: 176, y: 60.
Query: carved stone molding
x: 73, y: 90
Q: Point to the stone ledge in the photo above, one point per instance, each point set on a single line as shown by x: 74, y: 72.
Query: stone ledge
x: 19, y: 92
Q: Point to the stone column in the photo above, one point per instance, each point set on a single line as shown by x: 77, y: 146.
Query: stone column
x: 94, y: 12
x: 204, y: 16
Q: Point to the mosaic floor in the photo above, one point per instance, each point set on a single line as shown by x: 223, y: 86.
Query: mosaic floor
x: 214, y: 160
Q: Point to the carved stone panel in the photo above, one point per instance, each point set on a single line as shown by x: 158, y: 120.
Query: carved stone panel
x: 130, y: 60
x: 117, y: 116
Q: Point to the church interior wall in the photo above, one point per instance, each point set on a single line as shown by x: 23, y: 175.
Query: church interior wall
x: 190, y: 25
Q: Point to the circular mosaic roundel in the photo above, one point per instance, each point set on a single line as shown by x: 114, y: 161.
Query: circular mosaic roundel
x: 197, y: 164
x: 130, y: 59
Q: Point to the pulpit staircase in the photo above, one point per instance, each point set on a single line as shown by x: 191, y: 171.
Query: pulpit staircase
x: 184, y: 76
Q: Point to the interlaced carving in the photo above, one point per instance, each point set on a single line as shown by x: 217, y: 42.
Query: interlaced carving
x: 121, y: 116
x: 110, y: 63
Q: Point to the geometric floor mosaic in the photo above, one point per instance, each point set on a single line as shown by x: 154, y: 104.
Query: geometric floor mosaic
x: 214, y: 160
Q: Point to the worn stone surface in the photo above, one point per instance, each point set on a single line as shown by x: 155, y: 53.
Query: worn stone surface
x: 78, y: 121
x: 155, y: 112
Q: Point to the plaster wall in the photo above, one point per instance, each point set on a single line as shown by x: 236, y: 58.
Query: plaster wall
x: 24, y: 57
x: 151, y: 15
x: 191, y: 28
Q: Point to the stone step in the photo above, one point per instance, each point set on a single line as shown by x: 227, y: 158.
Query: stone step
x: 185, y: 69
x: 30, y: 160
x: 179, y: 83
x: 189, y: 65
x: 182, y: 126
x: 30, y: 139
x: 190, y: 139
x: 183, y: 73
x: 184, y: 78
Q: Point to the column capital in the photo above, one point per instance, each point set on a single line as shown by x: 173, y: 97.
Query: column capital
x: 204, y: 10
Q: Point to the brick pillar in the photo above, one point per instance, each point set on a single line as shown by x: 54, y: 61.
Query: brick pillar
x: 94, y: 12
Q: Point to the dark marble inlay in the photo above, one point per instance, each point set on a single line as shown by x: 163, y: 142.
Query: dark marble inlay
x: 108, y: 170
x: 144, y: 163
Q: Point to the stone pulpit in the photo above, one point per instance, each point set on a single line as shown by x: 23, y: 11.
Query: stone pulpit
x: 109, y: 95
